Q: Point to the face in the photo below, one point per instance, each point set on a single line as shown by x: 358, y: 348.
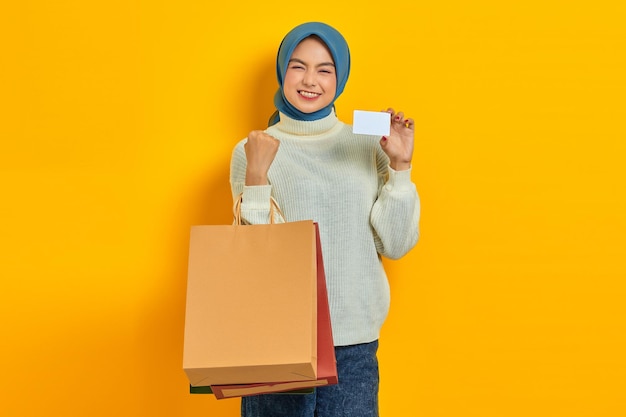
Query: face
x: 310, y: 82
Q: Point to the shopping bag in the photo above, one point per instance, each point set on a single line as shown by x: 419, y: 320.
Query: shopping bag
x: 251, y: 309
x: 208, y: 390
x: 326, y: 361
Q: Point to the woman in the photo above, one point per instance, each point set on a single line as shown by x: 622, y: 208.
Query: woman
x: 358, y: 189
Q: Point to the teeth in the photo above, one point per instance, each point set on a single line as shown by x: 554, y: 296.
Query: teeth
x: 308, y: 94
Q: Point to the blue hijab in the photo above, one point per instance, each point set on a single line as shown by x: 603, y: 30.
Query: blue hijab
x: 341, y: 56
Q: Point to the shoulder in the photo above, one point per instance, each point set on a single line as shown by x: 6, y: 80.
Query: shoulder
x: 239, y: 145
x: 238, y: 151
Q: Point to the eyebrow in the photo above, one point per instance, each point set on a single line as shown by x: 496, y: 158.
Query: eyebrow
x: 323, y: 64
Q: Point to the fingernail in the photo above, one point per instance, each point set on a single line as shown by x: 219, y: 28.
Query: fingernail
x: 384, y: 138
x: 397, y: 117
x: 406, y: 121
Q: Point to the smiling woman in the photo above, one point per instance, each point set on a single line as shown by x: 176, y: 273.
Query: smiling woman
x: 310, y: 162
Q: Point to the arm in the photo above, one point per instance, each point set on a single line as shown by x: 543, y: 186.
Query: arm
x: 249, y: 165
x: 396, y: 212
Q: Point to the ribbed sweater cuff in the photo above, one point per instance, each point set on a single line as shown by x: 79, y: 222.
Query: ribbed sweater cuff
x: 257, y: 197
x: 399, y: 180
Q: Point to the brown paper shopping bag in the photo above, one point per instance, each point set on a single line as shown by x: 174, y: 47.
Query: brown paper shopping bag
x: 251, y: 307
x: 326, y: 361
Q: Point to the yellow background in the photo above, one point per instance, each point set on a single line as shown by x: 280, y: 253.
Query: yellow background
x: 116, y: 126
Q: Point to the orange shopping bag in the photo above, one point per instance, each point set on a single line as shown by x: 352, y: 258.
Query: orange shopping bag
x: 251, y: 308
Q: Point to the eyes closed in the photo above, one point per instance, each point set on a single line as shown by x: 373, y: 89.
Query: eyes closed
x: 324, y: 68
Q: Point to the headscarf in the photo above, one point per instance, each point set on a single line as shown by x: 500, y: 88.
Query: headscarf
x: 341, y: 56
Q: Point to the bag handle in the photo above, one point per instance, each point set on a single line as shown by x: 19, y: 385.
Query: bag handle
x: 273, y: 210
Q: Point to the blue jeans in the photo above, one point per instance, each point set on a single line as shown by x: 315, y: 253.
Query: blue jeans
x: 356, y: 395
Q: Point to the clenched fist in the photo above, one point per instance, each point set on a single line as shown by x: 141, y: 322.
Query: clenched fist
x: 260, y: 149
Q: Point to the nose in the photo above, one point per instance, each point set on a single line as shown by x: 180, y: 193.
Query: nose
x: 309, y: 78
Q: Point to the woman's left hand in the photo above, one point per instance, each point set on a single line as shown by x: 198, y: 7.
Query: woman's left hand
x: 399, y: 144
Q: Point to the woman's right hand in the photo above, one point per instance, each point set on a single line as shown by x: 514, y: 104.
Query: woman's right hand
x: 260, y: 149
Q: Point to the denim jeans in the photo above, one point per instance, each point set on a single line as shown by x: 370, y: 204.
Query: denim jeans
x: 356, y: 395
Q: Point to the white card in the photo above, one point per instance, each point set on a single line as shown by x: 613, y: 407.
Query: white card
x: 371, y: 123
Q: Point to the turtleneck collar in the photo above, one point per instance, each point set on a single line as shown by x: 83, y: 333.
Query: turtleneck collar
x: 307, y: 128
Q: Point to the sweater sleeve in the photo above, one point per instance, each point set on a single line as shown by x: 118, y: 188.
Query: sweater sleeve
x: 256, y: 200
x: 396, y: 213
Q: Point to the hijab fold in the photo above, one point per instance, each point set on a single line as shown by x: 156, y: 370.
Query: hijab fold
x: 338, y: 48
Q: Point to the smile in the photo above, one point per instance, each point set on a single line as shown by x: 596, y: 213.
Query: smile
x: 308, y: 94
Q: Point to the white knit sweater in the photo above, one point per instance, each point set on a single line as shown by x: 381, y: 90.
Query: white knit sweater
x: 325, y: 173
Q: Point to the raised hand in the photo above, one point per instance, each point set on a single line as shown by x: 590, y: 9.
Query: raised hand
x: 260, y: 149
x: 399, y: 144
